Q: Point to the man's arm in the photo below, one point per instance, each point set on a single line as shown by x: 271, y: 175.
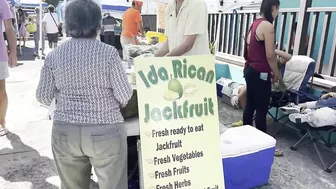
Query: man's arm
x: 284, y: 56
x: 140, y: 28
x: 186, y: 45
x: 138, y: 20
x: 163, y: 50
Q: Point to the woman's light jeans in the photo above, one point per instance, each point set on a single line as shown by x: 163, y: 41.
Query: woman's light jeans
x: 36, y: 41
x: 124, y: 42
x: 78, y: 147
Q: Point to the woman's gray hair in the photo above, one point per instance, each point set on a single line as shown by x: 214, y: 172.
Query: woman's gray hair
x: 82, y: 18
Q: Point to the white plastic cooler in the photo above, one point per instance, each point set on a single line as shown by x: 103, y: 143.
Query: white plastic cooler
x: 247, y: 156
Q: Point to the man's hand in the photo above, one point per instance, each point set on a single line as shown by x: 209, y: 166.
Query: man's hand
x: 185, y: 46
x: 12, y: 60
x: 329, y: 95
x: 163, y: 50
x: 332, y: 94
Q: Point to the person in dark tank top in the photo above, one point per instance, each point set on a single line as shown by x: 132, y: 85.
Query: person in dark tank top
x: 261, y: 66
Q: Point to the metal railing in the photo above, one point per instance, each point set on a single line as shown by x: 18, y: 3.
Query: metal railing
x: 322, y: 43
x: 149, y: 21
x: 234, y: 26
x: 319, y: 42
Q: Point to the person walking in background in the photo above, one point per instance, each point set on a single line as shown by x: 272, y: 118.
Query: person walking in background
x: 90, y: 85
x: 261, y: 66
x: 108, y: 29
x: 186, y: 27
x: 132, y: 25
x: 6, y: 60
x: 37, y: 34
x: 50, y: 25
x: 21, y: 21
x: 32, y: 29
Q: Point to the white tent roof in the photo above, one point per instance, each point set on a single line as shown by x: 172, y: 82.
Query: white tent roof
x: 150, y: 5
x: 115, y: 5
x: 27, y: 3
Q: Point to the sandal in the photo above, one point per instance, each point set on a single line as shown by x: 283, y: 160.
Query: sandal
x: 237, y: 124
x: 278, y: 153
x: 3, y: 131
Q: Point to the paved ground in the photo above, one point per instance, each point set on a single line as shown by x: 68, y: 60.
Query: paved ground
x: 296, y: 170
x: 26, y: 161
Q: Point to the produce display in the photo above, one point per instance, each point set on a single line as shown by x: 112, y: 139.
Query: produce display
x: 134, y: 51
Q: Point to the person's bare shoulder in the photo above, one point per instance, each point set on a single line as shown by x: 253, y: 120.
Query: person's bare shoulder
x: 267, y: 26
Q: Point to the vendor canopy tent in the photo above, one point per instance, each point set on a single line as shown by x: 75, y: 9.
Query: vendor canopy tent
x: 228, y: 5
x: 115, y: 5
x: 150, y: 6
x: 27, y: 3
x: 123, y: 5
x: 13, y: 2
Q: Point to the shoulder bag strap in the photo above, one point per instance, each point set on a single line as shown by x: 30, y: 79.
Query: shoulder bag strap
x: 53, y: 19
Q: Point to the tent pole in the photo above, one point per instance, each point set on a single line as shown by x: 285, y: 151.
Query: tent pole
x: 17, y: 28
x: 41, y: 36
x: 63, y: 19
x: 219, y: 25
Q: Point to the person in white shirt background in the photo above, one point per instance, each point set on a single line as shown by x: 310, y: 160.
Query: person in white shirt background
x: 50, y: 25
x: 186, y: 28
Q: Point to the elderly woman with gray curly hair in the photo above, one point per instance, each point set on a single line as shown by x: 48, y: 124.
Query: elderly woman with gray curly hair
x: 90, y: 85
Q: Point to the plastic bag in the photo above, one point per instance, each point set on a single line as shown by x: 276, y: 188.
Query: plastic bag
x: 31, y: 27
x: 134, y: 51
x: 52, y: 109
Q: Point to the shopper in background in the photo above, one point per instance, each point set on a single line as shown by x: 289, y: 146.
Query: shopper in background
x: 50, y: 25
x: 90, y: 85
x: 108, y: 29
x: 21, y: 20
x: 6, y: 60
x: 132, y: 25
x: 261, y: 66
x: 37, y: 34
x: 186, y: 27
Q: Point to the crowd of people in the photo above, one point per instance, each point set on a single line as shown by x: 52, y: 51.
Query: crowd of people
x: 90, y: 86
x: 29, y: 25
x: 95, y: 88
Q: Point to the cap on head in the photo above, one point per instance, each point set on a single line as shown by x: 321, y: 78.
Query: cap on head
x: 138, y: 3
x: 51, y: 8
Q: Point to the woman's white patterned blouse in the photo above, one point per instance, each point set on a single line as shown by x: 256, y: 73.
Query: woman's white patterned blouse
x: 88, y: 81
